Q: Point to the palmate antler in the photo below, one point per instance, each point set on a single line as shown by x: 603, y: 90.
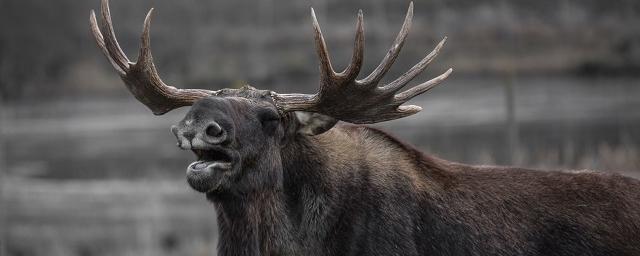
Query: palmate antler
x: 344, y: 97
x: 141, y: 77
x: 341, y: 95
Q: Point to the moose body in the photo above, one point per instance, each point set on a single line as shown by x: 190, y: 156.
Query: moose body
x: 355, y: 190
x: 287, y: 179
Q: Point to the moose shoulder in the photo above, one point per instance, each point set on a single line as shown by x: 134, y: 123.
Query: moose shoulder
x: 287, y: 179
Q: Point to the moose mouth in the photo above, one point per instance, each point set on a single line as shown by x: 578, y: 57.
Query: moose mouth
x: 204, y: 174
x: 211, y: 159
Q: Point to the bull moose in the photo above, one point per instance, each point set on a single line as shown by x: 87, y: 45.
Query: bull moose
x: 287, y: 179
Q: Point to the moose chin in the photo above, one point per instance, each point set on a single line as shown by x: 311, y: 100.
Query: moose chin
x: 286, y: 178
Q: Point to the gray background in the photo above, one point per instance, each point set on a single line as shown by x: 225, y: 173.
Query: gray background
x: 87, y: 170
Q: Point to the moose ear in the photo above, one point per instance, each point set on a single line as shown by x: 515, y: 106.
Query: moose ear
x: 310, y: 123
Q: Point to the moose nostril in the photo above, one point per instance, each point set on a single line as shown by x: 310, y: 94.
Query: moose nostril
x: 214, y: 130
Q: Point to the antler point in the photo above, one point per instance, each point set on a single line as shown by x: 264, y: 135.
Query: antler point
x: 448, y: 72
x: 410, y: 109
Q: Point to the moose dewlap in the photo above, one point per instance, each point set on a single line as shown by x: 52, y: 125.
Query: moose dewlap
x: 286, y: 179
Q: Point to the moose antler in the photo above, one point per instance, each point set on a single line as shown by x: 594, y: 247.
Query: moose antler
x: 340, y: 96
x: 141, y: 77
x: 362, y: 101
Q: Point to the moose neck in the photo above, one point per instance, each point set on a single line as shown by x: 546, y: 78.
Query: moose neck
x: 267, y: 221
x: 254, y: 224
x: 280, y: 220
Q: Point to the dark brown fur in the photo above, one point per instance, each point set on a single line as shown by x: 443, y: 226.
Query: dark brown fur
x: 408, y: 203
x: 355, y: 190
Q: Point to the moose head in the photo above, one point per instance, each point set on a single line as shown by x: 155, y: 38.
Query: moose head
x: 237, y: 134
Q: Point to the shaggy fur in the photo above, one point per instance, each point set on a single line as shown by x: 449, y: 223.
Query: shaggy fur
x: 355, y: 190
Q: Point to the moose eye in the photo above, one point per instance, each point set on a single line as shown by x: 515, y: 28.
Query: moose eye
x: 267, y: 116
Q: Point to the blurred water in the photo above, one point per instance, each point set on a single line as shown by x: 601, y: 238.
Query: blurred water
x: 102, y: 176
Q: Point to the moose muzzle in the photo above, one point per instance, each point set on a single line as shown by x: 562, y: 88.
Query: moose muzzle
x: 208, y: 139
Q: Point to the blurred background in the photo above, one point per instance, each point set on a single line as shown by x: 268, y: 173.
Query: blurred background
x: 87, y: 170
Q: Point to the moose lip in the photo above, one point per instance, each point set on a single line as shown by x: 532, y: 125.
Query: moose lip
x: 211, y: 158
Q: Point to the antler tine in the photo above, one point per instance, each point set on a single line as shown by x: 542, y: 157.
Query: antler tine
x: 95, y: 31
x: 352, y: 71
x: 321, y: 49
x: 144, y: 57
x: 421, y: 88
x: 415, y: 70
x: 141, y: 78
x: 392, y: 54
x: 110, y: 39
x: 405, y: 96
